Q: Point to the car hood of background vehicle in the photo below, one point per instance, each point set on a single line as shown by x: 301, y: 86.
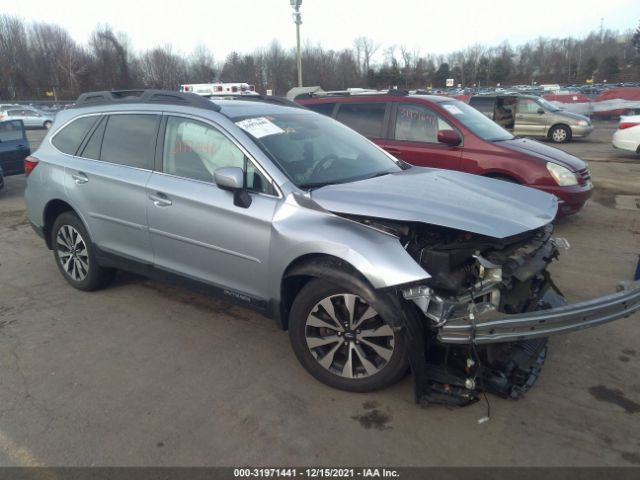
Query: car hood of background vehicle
x: 544, y: 152
x: 443, y: 197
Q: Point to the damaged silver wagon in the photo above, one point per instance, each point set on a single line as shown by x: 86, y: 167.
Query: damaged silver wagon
x: 374, y: 267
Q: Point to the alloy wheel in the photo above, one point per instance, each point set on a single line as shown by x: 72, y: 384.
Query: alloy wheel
x: 72, y: 253
x: 346, y: 336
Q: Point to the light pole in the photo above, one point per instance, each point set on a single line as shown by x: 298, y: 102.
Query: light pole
x: 297, y: 19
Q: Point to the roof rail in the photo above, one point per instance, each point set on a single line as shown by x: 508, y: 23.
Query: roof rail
x: 145, y: 96
x: 260, y: 98
x: 397, y: 92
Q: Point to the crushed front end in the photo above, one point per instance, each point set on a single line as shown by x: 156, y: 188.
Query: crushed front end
x: 488, y: 309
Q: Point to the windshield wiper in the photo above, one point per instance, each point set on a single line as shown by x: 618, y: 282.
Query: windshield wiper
x: 314, y: 185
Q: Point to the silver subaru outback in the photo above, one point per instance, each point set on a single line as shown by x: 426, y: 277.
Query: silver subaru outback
x: 375, y: 267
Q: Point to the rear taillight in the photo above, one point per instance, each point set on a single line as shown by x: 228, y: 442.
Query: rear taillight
x: 30, y: 163
x: 624, y: 125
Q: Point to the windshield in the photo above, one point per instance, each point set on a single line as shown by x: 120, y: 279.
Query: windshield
x: 477, y: 122
x: 313, y: 150
x: 547, y: 105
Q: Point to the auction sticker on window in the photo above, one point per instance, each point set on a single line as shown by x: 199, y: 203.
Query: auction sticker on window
x: 259, y: 127
x: 453, y: 109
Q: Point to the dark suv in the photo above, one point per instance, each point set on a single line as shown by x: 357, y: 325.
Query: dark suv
x: 433, y: 131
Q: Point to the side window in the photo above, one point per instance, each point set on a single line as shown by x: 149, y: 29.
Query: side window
x: 526, y: 105
x: 415, y: 123
x: 70, y: 137
x: 130, y: 140
x: 365, y: 118
x: 323, y: 108
x: 484, y: 105
x: 11, y: 130
x: 15, y: 113
x: 93, y: 146
x: 195, y: 150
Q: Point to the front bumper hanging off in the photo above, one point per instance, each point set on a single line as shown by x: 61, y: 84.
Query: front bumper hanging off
x: 543, y: 323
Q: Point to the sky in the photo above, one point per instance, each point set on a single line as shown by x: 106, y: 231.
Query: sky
x: 422, y: 26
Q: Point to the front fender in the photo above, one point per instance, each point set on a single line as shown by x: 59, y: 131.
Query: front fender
x: 301, y: 230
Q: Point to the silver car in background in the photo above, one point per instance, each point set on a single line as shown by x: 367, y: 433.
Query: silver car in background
x: 31, y: 117
x: 373, y: 266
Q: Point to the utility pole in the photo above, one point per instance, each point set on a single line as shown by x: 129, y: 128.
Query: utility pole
x: 297, y: 19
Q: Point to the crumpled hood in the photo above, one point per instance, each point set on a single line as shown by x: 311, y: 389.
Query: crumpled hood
x: 443, y: 197
x: 545, y: 152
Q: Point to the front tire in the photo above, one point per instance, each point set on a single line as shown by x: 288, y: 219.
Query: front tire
x: 47, y: 124
x: 560, y: 134
x: 342, y: 341
x: 74, y: 254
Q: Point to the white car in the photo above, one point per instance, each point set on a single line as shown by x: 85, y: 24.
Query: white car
x: 627, y: 137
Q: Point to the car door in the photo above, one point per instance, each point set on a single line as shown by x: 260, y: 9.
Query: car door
x: 31, y: 118
x: 529, y: 119
x: 14, y: 147
x: 196, y: 228
x: 414, y: 137
x: 107, y: 181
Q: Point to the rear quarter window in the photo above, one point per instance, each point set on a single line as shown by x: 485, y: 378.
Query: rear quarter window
x: 69, y: 138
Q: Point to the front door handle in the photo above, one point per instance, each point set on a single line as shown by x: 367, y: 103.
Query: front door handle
x: 80, y: 178
x: 160, y: 200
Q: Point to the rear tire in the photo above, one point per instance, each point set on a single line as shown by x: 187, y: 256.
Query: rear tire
x: 47, y: 124
x: 75, y: 254
x: 560, y: 134
x: 342, y: 341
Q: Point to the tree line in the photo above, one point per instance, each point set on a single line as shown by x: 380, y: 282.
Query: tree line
x: 36, y: 58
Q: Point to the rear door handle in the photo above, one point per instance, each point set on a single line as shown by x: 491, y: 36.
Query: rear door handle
x: 80, y: 178
x: 393, y: 151
x: 160, y: 200
x: 21, y: 147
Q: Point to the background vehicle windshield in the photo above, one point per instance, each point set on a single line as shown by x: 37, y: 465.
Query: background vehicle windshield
x: 476, y: 121
x: 547, y: 105
x: 314, y: 150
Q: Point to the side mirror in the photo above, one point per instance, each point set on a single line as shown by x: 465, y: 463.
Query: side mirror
x: 449, y: 137
x: 229, y: 178
x: 232, y: 179
x: 541, y: 110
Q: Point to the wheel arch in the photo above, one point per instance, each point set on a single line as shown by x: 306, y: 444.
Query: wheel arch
x: 329, y: 267
x: 52, y: 210
x: 314, y: 265
x: 497, y: 174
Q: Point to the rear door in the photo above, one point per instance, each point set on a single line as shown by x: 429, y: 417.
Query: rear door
x: 14, y: 147
x: 107, y: 181
x: 529, y: 120
x: 414, y: 131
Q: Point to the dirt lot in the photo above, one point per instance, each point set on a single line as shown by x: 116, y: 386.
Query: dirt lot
x: 146, y: 374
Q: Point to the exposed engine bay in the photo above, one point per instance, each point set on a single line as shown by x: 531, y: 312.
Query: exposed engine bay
x: 475, y: 278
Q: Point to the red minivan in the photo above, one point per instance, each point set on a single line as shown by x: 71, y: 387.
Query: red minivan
x: 441, y: 132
